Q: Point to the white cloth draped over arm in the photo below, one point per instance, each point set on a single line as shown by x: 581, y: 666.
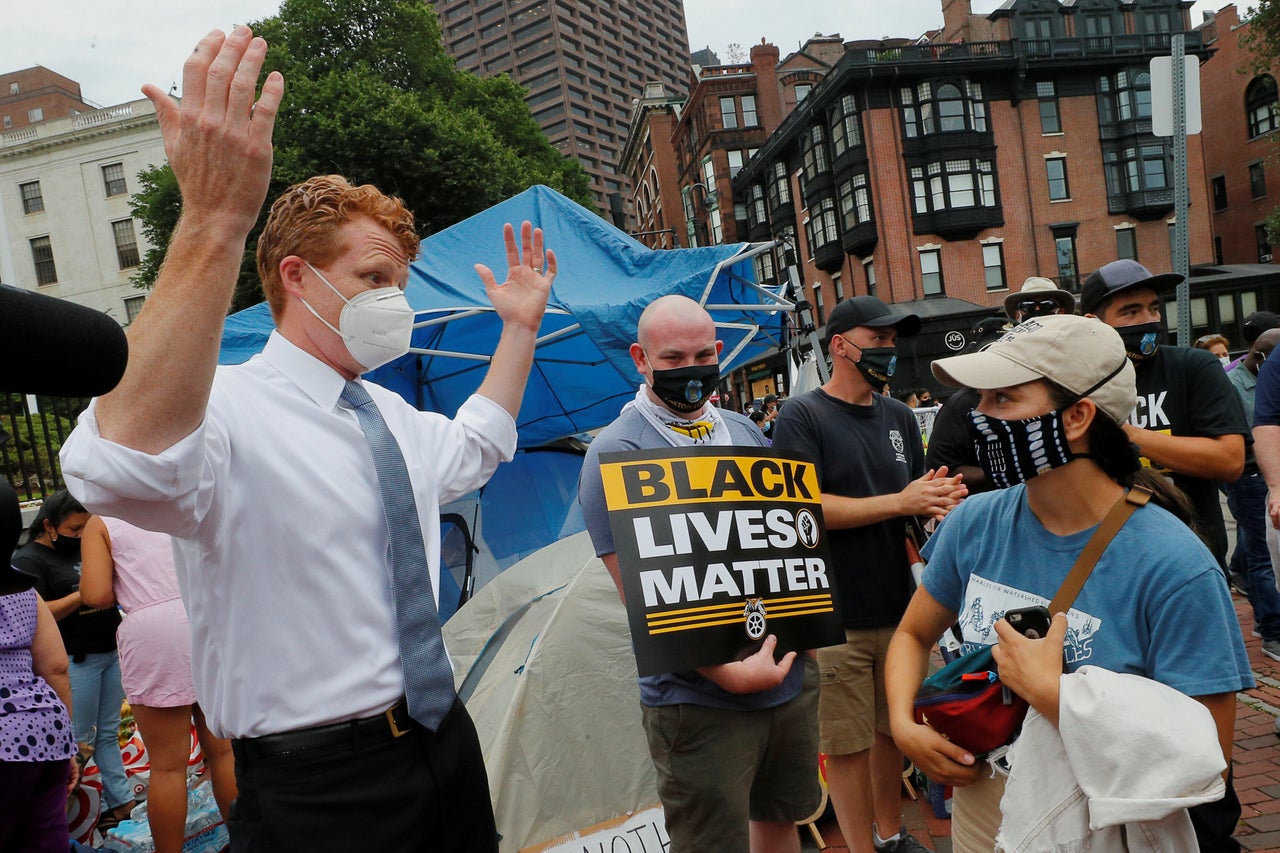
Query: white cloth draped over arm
x: 1127, y: 759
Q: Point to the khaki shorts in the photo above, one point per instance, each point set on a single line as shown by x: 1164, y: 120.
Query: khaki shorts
x: 975, y: 814
x: 853, y: 706
x: 718, y: 769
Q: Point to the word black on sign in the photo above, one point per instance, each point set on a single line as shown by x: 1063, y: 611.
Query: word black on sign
x: 718, y: 548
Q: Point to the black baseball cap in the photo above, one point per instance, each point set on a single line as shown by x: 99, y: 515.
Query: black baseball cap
x: 1257, y: 323
x: 989, y: 329
x: 869, y: 311
x: 1119, y: 276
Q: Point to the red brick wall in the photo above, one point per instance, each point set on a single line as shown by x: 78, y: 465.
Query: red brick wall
x: 38, y: 87
x: 1228, y: 149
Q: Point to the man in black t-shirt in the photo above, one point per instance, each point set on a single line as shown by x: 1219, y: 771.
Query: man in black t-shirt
x: 1188, y: 423
x: 870, y: 467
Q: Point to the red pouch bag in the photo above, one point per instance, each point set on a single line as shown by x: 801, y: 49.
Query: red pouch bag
x: 966, y: 703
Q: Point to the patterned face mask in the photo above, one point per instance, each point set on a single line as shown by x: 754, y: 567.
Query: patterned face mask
x: 1012, y: 452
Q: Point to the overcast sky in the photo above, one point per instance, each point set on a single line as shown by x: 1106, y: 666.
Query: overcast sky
x: 112, y: 54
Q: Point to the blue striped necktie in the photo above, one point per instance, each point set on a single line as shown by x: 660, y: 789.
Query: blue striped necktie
x: 428, y: 678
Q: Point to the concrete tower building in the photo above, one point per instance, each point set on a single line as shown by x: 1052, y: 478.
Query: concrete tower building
x: 583, y: 61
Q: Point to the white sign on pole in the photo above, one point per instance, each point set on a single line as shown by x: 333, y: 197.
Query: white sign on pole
x: 1162, y: 95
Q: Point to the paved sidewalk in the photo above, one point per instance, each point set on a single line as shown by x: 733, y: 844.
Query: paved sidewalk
x: 1256, y: 761
x: 1257, y: 748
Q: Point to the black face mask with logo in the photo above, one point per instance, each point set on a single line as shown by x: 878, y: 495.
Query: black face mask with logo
x: 1142, y: 340
x: 876, y: 365
x: 685, y: 389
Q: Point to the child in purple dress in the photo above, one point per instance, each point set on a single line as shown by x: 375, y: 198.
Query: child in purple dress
x: 37, y: 744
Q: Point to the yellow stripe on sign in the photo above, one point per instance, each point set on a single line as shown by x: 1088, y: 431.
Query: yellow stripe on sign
x: 737, y: 620
x: 775, y: 608
x: 769, y: 604
x: 772, y: 602
x: 706, y: 479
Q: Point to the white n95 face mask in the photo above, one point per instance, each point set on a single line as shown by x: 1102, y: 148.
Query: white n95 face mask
x: 375, y: 326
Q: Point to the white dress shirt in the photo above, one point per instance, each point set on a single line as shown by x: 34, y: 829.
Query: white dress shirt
x: 279, y: 534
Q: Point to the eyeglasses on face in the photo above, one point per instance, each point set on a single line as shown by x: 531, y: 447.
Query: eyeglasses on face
x: 1040, y: 306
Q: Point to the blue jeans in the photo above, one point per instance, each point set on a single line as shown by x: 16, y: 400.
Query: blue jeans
x: 1247, y: 500
x: 96, y: 696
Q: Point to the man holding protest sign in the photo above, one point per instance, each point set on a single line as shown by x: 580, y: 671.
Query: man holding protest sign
x: 734, y: 744
x: 871, y: 469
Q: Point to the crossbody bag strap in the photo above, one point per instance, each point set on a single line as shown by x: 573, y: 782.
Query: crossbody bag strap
x: 1098, y: 542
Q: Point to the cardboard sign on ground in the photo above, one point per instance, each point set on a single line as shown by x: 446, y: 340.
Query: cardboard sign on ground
x: 636, y: 833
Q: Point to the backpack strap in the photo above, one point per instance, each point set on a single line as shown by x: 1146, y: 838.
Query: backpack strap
x: 1098, y: 542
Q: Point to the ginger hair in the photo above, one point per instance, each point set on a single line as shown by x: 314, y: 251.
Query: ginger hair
x: 305, y: 219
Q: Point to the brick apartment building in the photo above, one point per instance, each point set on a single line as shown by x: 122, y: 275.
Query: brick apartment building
x: 1239, y: 143
x: 942, y: 173
x: 682, y: 154
x: 37, y: 94
x: 584, y: 63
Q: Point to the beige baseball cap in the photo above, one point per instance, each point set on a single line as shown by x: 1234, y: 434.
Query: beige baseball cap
x: 1082, y: 354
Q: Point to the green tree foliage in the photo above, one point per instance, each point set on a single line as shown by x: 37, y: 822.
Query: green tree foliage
x: 1262, y: 36
x: 371, y: 94
x: 156, y: 204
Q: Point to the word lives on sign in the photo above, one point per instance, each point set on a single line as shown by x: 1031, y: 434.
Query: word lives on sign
x: 718, y: 548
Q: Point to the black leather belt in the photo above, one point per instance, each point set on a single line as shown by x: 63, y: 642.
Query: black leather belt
x: 390, y: 724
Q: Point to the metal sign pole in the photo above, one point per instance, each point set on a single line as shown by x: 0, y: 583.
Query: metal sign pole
x: 1181, y: 194
x: 804, y: 311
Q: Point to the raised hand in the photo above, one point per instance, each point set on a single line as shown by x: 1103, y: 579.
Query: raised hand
x: 521, y: 300
x: 218, y: 139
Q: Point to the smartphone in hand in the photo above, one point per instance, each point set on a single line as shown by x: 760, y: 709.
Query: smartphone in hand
x: 1030, y: 622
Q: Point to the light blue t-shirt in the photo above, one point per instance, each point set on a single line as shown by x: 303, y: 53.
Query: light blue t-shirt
x: 1156, y: 604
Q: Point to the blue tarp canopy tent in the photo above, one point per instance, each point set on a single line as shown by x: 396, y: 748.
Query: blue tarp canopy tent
x: 582, y: 371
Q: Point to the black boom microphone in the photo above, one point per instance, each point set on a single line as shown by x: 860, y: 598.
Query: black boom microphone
x: 55, y: 347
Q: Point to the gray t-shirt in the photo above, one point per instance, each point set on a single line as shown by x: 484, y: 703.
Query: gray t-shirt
x: 632, y: 432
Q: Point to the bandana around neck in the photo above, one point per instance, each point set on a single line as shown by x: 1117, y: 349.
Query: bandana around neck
x: 707, y: 429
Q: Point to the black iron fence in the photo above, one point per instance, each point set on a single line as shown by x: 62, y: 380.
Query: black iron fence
x: 32, y: 429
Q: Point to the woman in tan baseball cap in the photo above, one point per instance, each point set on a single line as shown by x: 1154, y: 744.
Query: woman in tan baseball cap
x: 1054, y: 392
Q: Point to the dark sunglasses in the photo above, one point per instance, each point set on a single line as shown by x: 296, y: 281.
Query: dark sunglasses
x: 1043, y: 306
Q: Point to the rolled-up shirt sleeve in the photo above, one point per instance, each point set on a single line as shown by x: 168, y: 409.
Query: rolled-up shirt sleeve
x: 167, y: 492
x: 491, y: 429
x: 466, y: 450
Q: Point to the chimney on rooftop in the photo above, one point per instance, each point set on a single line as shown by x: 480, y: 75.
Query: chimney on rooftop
x: 955, y: 20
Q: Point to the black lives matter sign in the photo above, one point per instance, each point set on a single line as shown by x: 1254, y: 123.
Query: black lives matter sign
x: 718, y: 548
